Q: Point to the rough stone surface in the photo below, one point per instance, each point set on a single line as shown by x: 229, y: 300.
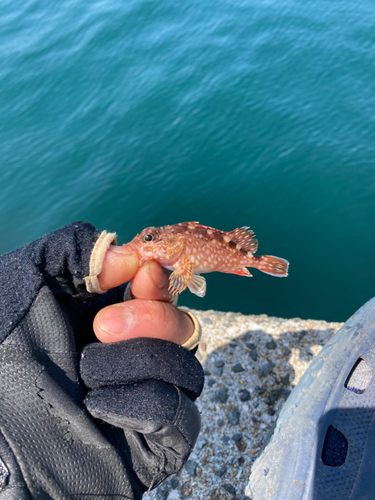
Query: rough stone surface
x: 238, y: 407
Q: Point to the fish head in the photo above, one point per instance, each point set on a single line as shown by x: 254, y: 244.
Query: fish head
x: 157, y: 243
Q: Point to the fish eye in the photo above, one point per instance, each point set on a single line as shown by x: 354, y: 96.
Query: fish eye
x: 148, y: 237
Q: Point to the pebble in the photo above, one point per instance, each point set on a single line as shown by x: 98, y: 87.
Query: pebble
x: 237, y: 436
x: 220, y: 472
x: 244, y: 395
x: 266, y: 369
x: 230, y: 489
x: 210, y: 382
x: 231, y: 436
x: 233, y: 416
x: 284, y: 393
x: 241, y: 445
x: 253, y: 355
x: 285, y: 379
x: 174, y: 483
x: 238, y: 368
x: 220, y: 396
x: 272, y: 397
x: 259, y: 390
x: 271, y: 345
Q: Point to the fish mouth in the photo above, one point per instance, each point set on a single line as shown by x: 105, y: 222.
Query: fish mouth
x: 134, y: 250
x: 143, y: 256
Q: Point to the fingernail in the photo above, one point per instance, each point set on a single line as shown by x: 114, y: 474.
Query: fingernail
x: 157, y: 274
x: 116, y: 320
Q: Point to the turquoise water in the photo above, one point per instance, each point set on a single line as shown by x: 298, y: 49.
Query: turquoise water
x: 232, y: 113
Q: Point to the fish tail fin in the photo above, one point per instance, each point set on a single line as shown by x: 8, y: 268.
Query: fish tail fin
x: 271, y: 265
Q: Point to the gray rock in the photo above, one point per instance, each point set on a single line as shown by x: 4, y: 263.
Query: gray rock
x: 219, y: 363
x: 233, y: 416
x: 253, y: 355
x: 210, y: 382
x: 272, y: 397
x: 174, y: 483
x: 266, y: 369
x: 285, y: 380
x: 259, y: 390
x: 284, y: 393
x: 271, y: 345
x: 246, y: 336
x: 220, y: 396
x: 230, y: 489
x: 238, y: 368
x: 302, y: 333
x: 241, y: 445
x: 237, y: 436
x: 220, y: 472
x: 244, y: 395
x: 217, y: 372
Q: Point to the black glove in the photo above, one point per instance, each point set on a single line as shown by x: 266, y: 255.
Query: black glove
x: 145, y: 423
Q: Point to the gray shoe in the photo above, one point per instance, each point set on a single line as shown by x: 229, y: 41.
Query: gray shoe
x: 323, y: 444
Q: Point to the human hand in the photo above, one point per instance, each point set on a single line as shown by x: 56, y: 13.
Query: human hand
x: 140, y: 391
x: 150, y: 314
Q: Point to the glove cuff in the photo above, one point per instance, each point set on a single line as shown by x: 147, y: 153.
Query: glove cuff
x: 194, y: 340
x: 102, y: 244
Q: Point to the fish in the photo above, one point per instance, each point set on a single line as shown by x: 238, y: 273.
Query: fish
x: 190, y: 249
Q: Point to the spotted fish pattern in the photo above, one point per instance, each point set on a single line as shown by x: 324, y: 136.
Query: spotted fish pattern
x: 190, y: 249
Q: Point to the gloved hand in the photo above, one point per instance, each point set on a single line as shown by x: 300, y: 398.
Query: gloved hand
x: 110, y: 425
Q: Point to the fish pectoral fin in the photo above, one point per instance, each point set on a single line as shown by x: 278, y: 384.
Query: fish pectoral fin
x: 197, y: 285
x: 180, y: 278
x: 177, y: 283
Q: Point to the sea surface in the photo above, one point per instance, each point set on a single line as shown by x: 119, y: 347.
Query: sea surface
x: 228, y: 112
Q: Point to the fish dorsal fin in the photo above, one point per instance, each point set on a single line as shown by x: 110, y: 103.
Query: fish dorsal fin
x: 243, y: 237
x: 187, y: 223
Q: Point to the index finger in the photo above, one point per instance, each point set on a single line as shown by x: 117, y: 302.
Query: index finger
x: 119, y: 266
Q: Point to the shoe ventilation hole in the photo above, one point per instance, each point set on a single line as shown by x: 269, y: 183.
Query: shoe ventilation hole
x: 359, y: 377
x: 335, y: 448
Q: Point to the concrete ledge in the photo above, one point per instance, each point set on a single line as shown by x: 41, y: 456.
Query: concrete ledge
x: 251, y: 365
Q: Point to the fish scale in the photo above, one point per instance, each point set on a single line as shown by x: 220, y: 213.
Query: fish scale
x: 190, y: 249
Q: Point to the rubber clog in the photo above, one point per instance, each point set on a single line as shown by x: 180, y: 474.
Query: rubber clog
x: 323, y: 444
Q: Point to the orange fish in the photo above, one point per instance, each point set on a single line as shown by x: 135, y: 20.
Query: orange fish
x: 190, y: 249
